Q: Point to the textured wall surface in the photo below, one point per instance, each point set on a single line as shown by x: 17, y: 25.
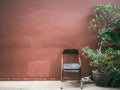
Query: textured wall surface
x: 33, y: 34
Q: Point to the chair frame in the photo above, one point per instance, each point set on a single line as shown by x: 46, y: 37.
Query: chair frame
x: 79, y: 62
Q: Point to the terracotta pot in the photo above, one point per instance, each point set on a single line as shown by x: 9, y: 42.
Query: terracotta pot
x: 101, y: 79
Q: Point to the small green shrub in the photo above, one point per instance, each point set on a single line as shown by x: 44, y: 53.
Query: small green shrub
x: 104, y: 61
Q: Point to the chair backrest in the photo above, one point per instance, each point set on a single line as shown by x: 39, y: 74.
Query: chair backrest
x: 70, y: 56
x: 70, y: 51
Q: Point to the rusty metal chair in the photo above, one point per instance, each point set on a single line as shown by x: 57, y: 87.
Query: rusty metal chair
x: 70, y: 65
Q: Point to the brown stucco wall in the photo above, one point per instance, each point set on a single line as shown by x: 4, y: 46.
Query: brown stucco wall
x: 33, y: 34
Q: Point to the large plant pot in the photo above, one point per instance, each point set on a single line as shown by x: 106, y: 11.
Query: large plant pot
x: 101, y: 79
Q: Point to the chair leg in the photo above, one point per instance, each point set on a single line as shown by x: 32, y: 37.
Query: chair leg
x: 61, y: 79
x: 80, y: 80
x: 81, y: 84
x: 61, y: 76
x: 79, y: 76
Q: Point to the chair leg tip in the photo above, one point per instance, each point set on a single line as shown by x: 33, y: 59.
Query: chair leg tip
x: 61, y: 88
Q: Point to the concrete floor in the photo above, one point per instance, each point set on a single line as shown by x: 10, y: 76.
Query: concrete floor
x: 48, y: 85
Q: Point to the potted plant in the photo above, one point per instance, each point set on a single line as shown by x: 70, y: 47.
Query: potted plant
x: 105, y: 62
x: 106, y: 21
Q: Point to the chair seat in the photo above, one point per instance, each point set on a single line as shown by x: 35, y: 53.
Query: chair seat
x: 71, y: 66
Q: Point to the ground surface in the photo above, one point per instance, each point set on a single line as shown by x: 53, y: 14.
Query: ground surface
x: 48, y: 85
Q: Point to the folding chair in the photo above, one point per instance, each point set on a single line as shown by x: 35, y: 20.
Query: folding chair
x: 71, y: 65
